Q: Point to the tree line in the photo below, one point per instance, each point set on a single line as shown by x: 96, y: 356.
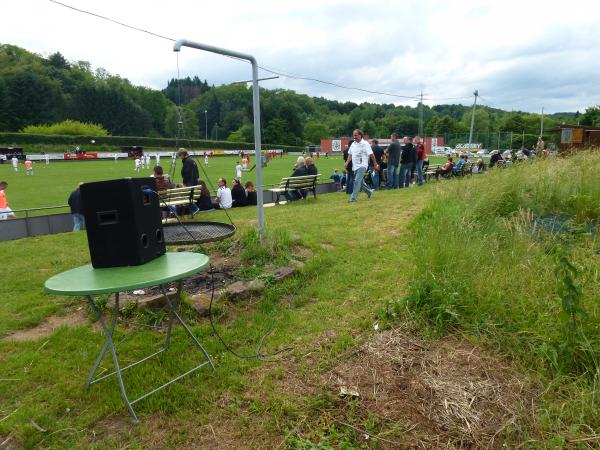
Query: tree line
x: 37, y: 90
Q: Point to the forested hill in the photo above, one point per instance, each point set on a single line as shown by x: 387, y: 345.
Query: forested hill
x: 38, y: 90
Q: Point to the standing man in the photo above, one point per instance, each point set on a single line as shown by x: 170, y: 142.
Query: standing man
x: 421, y: 157
x: 77, y: 209
x: 47, y: 158
x: 393, y: 162
x: 349, y: 174
x: 137, y: 164
x: 157, y: 157
x: 238, y: 171
x: 116, y: 156
x: 359, y: 155
x: 189, y: 169
x: 378, y: 153
x: 15, y: 163
x: 407, y: 159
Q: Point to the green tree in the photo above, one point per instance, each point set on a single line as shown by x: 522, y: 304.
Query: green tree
x: 314, y: 132
x: 182, y: 122
x: 591, y: 116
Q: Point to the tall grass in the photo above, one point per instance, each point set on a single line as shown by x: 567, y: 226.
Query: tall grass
x: 511, y: 257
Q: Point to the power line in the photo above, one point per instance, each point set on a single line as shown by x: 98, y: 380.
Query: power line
x: 273, y: 71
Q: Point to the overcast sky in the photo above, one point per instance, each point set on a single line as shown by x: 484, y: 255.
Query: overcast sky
x: 520, y: 55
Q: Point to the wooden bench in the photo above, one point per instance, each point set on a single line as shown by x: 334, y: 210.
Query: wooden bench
x: 185, y: 196
x: 289, y: 184
x: 432, y: 172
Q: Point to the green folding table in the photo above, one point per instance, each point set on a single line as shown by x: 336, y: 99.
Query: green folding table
x: 87, y: 281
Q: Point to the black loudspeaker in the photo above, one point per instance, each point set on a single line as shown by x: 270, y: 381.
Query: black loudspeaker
x: 123, y: 221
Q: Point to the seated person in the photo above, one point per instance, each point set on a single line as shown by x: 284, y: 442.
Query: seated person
x: 223, y: 199
x: 204, y: 202
x: 299, y: 171
x: 163, y: 182
x: 447, y: 167
x: 495, y: 157
x: 478, y: 166
x: 251, y: 193
x: 463, y: 159
x: 337, y: 179
x: 238, y: 194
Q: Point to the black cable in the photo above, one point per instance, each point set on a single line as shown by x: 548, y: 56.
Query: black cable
x: 257, y: 355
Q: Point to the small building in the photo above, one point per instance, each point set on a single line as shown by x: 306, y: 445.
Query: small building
x: 578, y: 136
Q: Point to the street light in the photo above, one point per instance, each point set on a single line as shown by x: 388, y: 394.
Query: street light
x: 206, y: 123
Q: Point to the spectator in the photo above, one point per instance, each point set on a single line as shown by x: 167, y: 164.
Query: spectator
x: 162, y: 181
x: 251, y: 193
x: 238, y: 194
x: 189, y: 169
x: 378, y: 153
x: 300, y: 170
x: 359, y: 155
x: 77, y: 209
x: 204, y: 202
x: 337, y: 179
x: 408, y: 157
x: 478, y: 166
x: 311, y: 169
x: 447, y: 167
x: 393, y: 160
x: 349, y: 172
x: 5, y: 211
x: 461, y: 162
x: 495, y: 157
x: 421, y: 157
x: 223, y: 199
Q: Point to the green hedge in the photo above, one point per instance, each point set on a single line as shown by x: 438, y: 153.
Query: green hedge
x: 18, y: 139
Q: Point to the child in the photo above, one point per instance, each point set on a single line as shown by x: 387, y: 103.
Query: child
x: 337, y: 179
x: 344, y: 179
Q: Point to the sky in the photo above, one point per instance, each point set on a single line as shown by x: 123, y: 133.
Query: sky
x: 520, y: 55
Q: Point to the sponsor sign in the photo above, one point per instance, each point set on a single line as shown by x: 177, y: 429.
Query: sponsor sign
x: 469, y: 146
x: 38, y: 157
x: 81, y: 156
x: 336, y: 145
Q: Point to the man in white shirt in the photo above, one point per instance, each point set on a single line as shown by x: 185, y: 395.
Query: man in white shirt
x: 238, y: 171
x: 137, y: 164
x: 157, y: 157
x: 15, y: 163
x: 359, y: 154
x: 223, y: 199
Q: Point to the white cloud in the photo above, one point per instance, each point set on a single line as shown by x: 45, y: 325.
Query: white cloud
x: 520, y: 54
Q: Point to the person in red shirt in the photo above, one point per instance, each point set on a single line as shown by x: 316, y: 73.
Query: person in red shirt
x: 28, y: 167
x: 421, y: 156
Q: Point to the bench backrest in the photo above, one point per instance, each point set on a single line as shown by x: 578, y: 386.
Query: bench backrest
x: 305, y: 181
x: 180, y: 194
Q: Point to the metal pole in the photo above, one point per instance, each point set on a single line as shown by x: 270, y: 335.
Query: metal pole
x: 256, y: 108
x: 542, y: 124
x: 421, y: 116
x: 206, y: 124
x: 476, y: 93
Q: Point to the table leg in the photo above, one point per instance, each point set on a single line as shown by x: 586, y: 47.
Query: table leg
x: 108, y: 344
x: 184, y: 325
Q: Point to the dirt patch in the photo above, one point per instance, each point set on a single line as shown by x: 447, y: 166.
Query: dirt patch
x: 74, y: 318
x: 450, y: 393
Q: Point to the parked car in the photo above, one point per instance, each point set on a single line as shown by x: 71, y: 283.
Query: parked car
x: 483, y: 153
x: 442, y: 151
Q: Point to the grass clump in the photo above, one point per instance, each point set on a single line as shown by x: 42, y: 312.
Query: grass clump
x: 511, y: 258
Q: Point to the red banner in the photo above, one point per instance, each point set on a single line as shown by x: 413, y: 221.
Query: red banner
x: 81, y: 156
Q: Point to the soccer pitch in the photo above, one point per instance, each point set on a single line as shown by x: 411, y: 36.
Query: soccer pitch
x: 51, y: 184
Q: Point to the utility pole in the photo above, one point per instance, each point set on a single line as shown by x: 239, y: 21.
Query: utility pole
x: 421, y: 115
x: 476, y: 93
x: 542, y: 124
x: 206, y: 123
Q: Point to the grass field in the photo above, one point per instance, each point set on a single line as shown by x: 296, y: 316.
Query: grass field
x: 51, y: 184
x: 467, y: 270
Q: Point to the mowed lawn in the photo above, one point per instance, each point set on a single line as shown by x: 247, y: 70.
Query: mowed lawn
x: 51, y: 184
